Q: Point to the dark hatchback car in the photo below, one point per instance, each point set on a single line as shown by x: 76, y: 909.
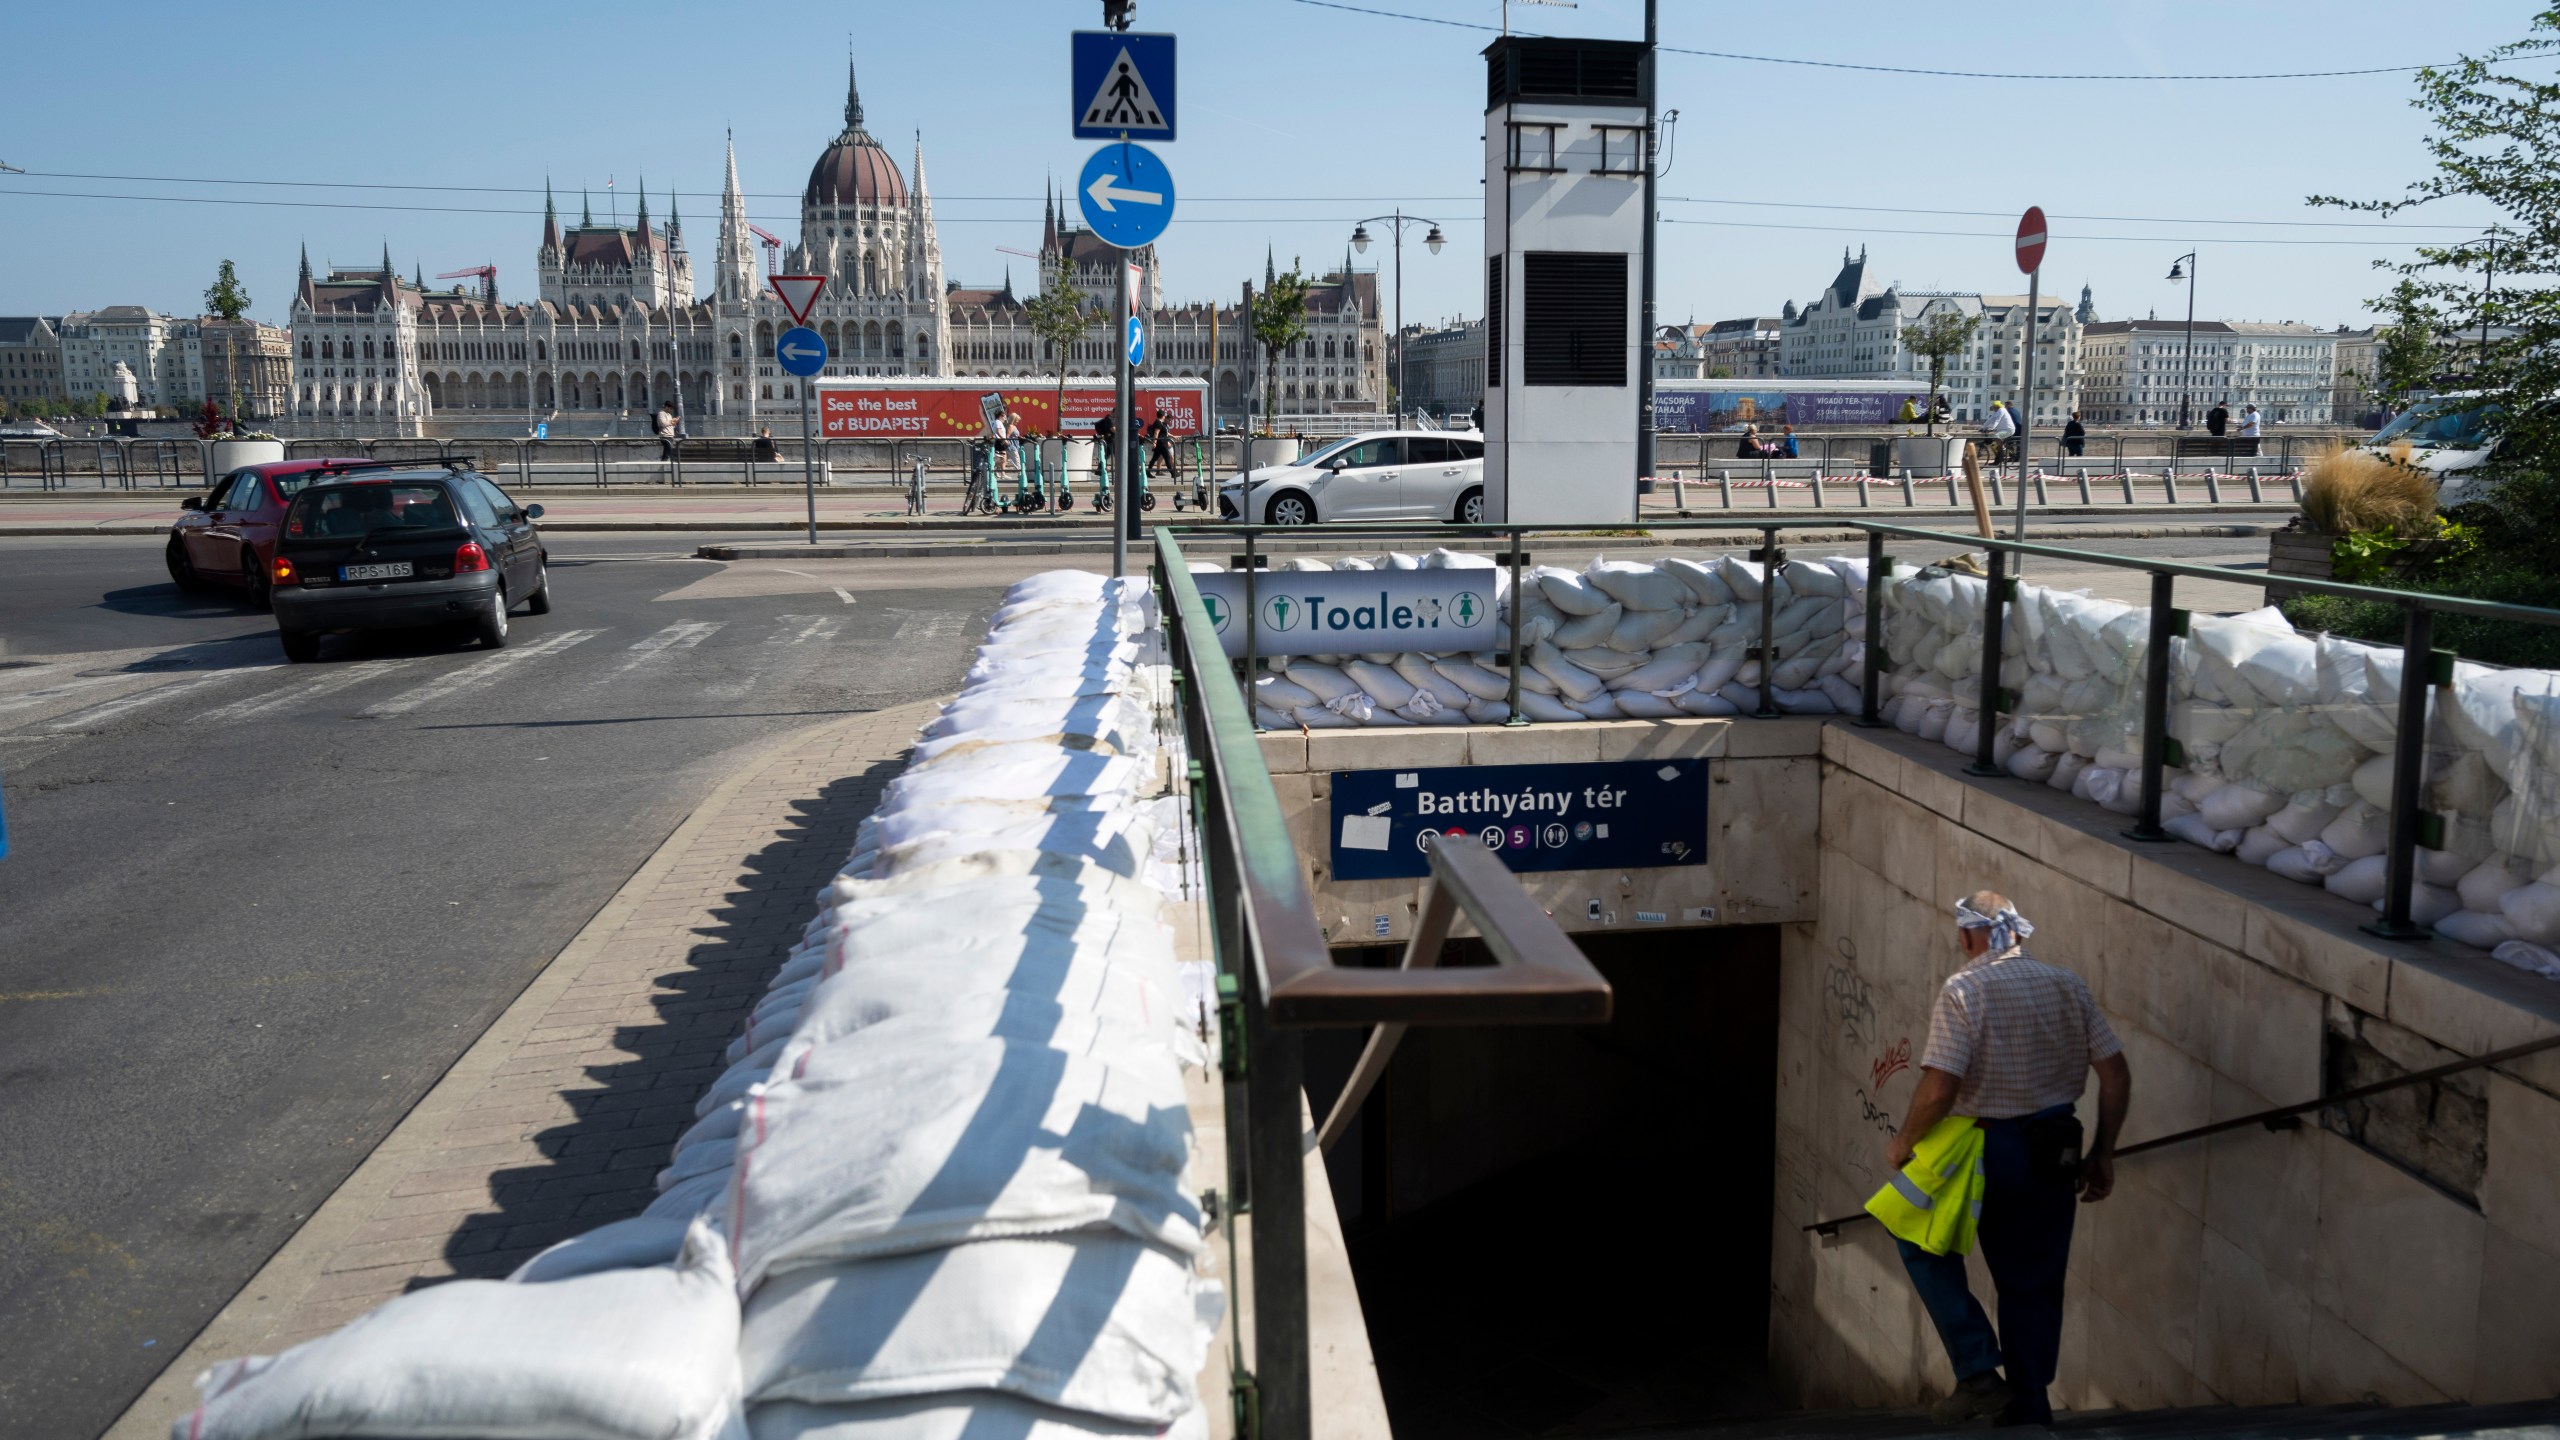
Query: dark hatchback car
x: 377, y: 551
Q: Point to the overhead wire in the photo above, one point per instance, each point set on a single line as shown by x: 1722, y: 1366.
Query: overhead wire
x: 1890, y: 69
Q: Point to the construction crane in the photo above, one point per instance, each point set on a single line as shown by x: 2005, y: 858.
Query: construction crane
x: 772, y: 248
x: 488, y: 275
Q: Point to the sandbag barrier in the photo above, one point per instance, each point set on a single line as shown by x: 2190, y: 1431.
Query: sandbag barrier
x: 2434, y: 804
x: 941, y: 1187
x: 1652, y: 639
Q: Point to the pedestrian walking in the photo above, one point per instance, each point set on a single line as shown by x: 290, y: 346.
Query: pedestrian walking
x: 1477, y: 419
x: 1013, y: 442
x: 664, y: 422
x: 2249, y: 429
x: 2011, y: 1043
x: 1106, y: 432
x: 1160, y: 434
x: 2217, y: 419
x: 2075, y: 436
x: 764, y: 453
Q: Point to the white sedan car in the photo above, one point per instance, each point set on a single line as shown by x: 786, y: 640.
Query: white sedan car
x: 1377, y: 475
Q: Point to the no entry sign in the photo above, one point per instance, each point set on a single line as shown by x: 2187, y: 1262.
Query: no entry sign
x: 2031, y: 240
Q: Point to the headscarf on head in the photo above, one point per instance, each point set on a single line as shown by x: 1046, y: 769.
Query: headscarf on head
x: 2008, y: 928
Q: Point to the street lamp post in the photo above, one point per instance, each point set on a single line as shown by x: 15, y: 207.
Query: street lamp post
x: 1360, y: 242
x: 2187, y: 366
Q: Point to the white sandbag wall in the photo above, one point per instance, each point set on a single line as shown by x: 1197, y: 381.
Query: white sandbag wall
x: 1651, y: 639
x: 2287, y: 743
x: 941, y: 1185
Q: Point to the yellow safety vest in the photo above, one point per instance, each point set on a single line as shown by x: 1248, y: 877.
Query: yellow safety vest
x: 1936, y: 1201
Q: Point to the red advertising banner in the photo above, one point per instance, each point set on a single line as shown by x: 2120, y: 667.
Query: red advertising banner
x: 955, y: 409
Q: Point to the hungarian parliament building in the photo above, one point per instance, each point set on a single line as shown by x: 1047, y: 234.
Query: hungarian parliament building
x: 621, y: 329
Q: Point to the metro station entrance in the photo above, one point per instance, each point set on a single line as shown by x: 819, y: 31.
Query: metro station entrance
x: 1565, y: 1231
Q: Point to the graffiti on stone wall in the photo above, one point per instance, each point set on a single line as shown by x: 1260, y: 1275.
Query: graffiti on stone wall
x: 1867, y: 1111
x: 1853, y: 1004
x: 1892, y: 1062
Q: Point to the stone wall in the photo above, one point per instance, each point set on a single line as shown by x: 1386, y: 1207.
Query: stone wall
x: 2257, y: 1267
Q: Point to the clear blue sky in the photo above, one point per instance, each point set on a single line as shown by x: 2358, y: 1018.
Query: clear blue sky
x: 1297, y: 120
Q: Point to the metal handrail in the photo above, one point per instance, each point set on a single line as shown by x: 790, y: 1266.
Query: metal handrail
x: 2275, y: 1117
x: 1276, y: 978
x: 1518, y: 933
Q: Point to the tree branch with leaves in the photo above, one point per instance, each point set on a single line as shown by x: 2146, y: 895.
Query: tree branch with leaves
x: 226, y: 296
x: 1279, y: 321
x: 1940, y: 336
x: 1060, y: 315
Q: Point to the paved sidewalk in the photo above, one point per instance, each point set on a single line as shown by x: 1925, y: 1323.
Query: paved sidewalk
x: 560, y: 1117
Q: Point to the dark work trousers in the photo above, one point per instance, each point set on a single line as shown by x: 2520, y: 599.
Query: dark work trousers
x: 2025, y: 1235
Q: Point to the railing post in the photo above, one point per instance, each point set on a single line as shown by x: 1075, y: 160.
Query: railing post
x: 1995, y: 608
x: 1769, y: 563
x: 1871, y: 677
x: 2166, y: 623
x: 1277, y: 1138
x: 1517, y: 650
x: 2408, y: 777
x: 598, y: 448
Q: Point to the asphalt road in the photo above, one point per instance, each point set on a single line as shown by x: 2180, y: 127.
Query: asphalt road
x: 252, y: 911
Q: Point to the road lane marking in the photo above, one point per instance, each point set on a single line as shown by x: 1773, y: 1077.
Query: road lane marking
x: 351, y: 675
x: 683, y: 635
x: 801, y: 629
x: 844, y: 595
x: 124, y: 705
x: 939, y: 625
x: 471, y: 676
x: 33, y: 698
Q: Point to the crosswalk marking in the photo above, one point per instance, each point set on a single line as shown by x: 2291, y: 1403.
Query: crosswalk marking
x: 126, y: 704
x: 939, y: 625
x: 801, y: 629
x: 477, y: 671
x: 683, y: 635
x: 33, y: 698
x: 345, y: 676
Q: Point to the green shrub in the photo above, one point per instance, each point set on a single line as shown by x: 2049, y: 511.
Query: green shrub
x: 2493, y: 642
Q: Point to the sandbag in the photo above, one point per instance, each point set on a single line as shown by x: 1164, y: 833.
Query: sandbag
x: 2533, y: 911
x: 2258, y: 844
x: 1278, y: 692
x: 2237, y: 807
x: 1592, y: 629
x: 2428, y: 904
x: 2302, y: 818
x: 1602, y: 661
x: 1637, y: 586
x: 630, y: 1244
x: 1639, y: 630
x: 2194, y: 830
x: 1545, y: 707
x: 1643, y: 705
x: 1701, y: 578
x: 2361, y: 880
x: 2346, y: 693
x: 966, y: 1415
x: 2360, y: 830
x: 927, y: 1144
x: 1380, y: 683
x: 1574, y: 682
x: 2372, y: 780
x: 2481, y: 886
x: 1092, y: 1321
x: 2525, y: 955
x: 1472, y: 679
x: 626, y: 1354
x: 1325, y: 682
x: 2480, y: 931
x: 1706, y: 702
x: 1571, y: 593
x: 1418, y: 671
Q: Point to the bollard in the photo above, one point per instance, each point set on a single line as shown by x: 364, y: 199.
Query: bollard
x: 2295, y: 478
x: 1866, y: 492
x: 2169, y: 480
x: 2255, y: 493
x: 2212, y: 488
x: 2042, y: 496
x: 2126, y: 476
x: 2082, y: 474
x: 1953, y: 499
x: 1724, y: 483
x: 1910, y: 499
x: 1992, y: 478
x: 1679, y: 494
x: 1818, y: 502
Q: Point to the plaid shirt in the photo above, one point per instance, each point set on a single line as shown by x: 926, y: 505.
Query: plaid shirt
x: 2018, y: 1034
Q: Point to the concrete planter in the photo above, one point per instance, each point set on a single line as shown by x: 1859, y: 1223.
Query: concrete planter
x: 1273, y: 450
x: 1928, y: 454
x: 230, y: 455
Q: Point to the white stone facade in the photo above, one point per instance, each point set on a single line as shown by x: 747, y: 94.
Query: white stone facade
x: 618, y: 328
x: 163, y: 352
x: 2140, y: 372
x: 1853, y: 330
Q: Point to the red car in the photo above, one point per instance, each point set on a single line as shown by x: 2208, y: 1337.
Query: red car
x: 228, y: 537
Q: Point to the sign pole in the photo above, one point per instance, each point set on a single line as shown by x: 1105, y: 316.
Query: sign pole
x: 1121, y: 447
x: 809, y: 462
x: 2026, y: 413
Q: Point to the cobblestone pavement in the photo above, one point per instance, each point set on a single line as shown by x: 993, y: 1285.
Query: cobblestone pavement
x: 558, y: 1120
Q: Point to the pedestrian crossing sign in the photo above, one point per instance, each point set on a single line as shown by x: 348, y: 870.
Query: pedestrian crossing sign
x: 1123, y: 86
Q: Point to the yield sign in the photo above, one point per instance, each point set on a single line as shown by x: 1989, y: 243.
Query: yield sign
x: 2031, y: 240
x: 798, y: 293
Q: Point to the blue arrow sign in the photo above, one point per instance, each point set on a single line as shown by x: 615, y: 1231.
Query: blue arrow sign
x: 1127, y: 195
x: 801, y: 350
x: 1137, y: 341
x: 1122, y: 86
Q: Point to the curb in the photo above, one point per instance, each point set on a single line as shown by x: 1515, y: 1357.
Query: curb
x: 1738, y: 538
x: 250, y: 1316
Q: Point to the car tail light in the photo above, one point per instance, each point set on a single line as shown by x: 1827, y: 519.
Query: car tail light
x: 470, y: 557
x: 285, y: 573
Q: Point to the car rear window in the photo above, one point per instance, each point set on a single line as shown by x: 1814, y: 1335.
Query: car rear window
x: 349, y: 512
x: 291, y: 485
